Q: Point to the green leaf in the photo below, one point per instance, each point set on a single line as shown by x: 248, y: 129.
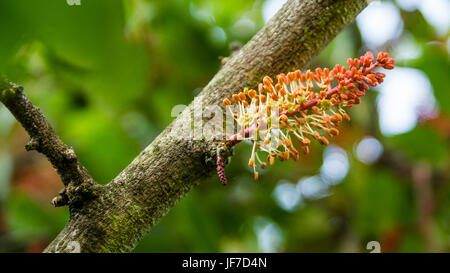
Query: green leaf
x: 422, y: 143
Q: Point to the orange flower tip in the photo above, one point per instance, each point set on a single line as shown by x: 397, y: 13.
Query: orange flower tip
x: 260, y: 88
x: 280, y: 156
x: 360, y: 93
x: 251, y: 162
x: 252, y: 93
x: 279, y: 144
x: 268, y: 88
x: 263, y: 165
x: 267, y: 81
x: 347, y: 117
x: 315, y: 109
x: 278, y: 87
x: 242, y: 96
x: 350, y: 86
x: 319, y: 71
x: 281, y: 78
x: 303, y: 78
x: 291, y: 76
x: 349, y: 62
x: 369, y: 55
x: 287, y: 141
x: 323, y: 140
x: 306, y: 141
x: 283, y: 117
x: 226, y: 102
x: 235, y: 97
x: 305, y: 149
x: 271, y: 160
x: 315, y: 77
x: 334, y: 131
x: 263, y: 98
x: 256, y: 176
x: 316, y: 135
x: 245, y: 103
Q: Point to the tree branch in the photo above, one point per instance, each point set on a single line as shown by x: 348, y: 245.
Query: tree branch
x: 76, y: 179
x: 130, y: 205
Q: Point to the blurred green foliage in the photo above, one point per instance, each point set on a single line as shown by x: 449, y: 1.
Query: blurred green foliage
x: 107, y: 74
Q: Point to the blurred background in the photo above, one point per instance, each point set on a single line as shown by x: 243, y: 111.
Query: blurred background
x: 107, y: 74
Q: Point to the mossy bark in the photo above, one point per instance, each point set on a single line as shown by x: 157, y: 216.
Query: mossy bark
x: 130, y: 205
x: 79, y: 185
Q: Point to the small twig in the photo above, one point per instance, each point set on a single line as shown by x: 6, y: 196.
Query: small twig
x: 44, y: 140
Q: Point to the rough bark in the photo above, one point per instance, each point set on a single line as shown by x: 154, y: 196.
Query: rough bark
x: 124, y: 210
x: 78, y: 182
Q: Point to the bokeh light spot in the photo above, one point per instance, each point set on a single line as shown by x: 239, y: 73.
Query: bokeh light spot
x: 271, y: 7
x: 335, y: 165
x: 313, y: 187
x: 287, y: 196
x: 404, y: 92
x: 368, y: 150
x: 269, y: 235
x: 379, y: 23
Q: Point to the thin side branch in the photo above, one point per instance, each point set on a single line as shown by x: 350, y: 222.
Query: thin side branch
x: 44, y: 140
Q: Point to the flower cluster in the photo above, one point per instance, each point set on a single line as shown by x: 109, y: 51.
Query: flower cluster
x: 302, y: 107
